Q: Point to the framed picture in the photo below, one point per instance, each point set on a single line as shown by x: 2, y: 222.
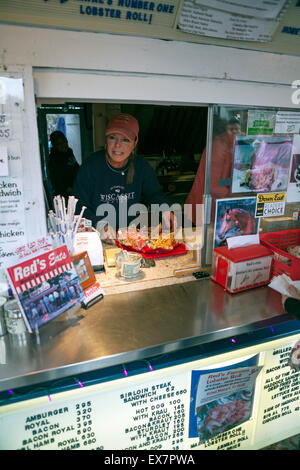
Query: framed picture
x: 235, y: 217
x: 293, y: 192
x: 84, y: 269
x: 261, y: 164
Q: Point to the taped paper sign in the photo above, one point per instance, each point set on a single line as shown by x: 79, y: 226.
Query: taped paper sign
x: 3, y: 161
x: 256, y: 8
x: 12, y: 218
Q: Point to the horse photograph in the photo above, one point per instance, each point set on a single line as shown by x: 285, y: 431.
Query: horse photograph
x: 234, y: 217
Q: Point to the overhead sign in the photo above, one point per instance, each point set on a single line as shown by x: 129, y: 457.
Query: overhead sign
x: 94, y: 14
x: 181, y: 20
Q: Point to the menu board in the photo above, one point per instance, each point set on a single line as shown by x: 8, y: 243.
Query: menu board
x: 164, y: 409
x: 142, y: 415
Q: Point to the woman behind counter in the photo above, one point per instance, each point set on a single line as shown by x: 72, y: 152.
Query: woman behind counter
x: 117, y: 174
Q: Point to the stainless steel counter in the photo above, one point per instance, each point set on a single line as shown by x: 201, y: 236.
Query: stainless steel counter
x: 133, y: 326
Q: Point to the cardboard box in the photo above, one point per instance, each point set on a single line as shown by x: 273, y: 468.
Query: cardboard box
x: 242, y: 268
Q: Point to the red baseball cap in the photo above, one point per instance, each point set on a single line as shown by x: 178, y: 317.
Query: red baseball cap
x: 124, y: 124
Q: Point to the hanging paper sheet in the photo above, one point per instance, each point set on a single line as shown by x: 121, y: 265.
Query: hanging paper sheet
x: 11, y: 107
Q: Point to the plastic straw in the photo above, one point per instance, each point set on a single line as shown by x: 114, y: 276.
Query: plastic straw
x: 63, y: 224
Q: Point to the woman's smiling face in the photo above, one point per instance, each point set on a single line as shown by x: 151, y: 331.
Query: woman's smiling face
x: 118, y: 149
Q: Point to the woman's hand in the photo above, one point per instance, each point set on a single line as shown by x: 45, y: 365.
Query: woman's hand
x: 293, y: 293
x: 108, y: 234
x: 170, y: 220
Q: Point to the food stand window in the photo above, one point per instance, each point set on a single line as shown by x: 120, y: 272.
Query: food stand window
x: 171, y: 137
x: 260, y: 158
x: 252, y: 173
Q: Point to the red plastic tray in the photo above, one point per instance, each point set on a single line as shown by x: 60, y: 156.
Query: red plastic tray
x: 147, y: 253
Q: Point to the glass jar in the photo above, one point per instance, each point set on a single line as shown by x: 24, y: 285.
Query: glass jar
x: 14, y: 319
x: 128, y: 264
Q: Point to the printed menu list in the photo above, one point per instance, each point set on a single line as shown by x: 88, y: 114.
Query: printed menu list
x: 51, y: 428
x: 222, y: 408
x: 158, y: 416
x: 280, y: 395
x: 150, y: 416
x: 196, y: 19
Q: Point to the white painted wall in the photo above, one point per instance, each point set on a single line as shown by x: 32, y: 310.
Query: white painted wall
x: 169, y: 89
x: 110, y: 67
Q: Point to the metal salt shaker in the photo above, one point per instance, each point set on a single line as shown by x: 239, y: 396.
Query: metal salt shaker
x: 14, y: 322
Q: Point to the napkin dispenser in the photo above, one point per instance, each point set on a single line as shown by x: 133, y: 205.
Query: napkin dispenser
x: 242, y: 268
x: 90, y: 242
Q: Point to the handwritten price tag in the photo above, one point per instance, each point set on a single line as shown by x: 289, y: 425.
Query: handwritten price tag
x: 5, y: 130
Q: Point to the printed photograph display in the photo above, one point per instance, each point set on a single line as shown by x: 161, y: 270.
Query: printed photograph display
x: 294, y: 359
x: 45, y: 286
x: 295, y: 170
x: 261, y: 163
x: 234, y: 217
x: 84, y: 269
x: 293, y: 192
x: 221, y: 398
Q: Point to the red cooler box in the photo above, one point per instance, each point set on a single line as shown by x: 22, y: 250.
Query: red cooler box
x: 242, y: 268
